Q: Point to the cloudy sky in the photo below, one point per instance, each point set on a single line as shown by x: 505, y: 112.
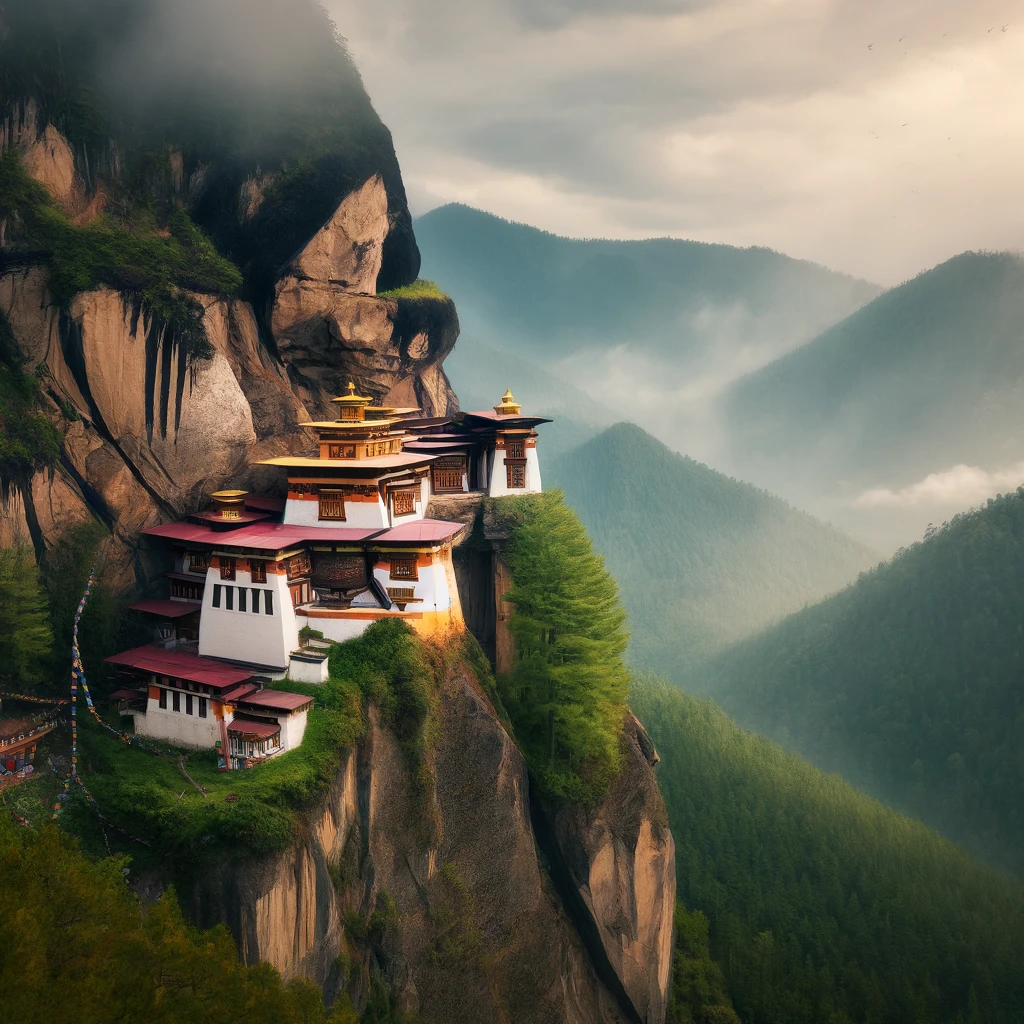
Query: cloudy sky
x: 874, y: 136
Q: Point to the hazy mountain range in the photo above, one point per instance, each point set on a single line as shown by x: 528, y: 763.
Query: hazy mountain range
x: 880, y: 411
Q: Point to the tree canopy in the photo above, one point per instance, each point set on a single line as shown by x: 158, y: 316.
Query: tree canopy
x: 567, y: 692
x: 823, y: 905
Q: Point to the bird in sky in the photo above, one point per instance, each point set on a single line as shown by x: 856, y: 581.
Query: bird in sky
x: 871, y: 46
x: 1005, y: 27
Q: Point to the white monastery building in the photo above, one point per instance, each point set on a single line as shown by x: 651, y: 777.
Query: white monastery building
x: 348, y: 544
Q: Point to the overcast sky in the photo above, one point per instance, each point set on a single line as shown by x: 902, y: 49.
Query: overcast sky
x: 874, y: 136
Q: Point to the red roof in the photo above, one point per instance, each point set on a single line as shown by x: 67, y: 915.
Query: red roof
x: 260, y: 536
x: 277, y: 537
x: 166, y: 609
x: 237, y: 692
x: 246, y: 728
x: 279, y: 700
x: 422, y: 531
x: 181, y: 665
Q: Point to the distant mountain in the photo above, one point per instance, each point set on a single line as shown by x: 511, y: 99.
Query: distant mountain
x: 823, y: 905
x: 650, y: 328
x: 701, y: 559
x: 909, y: 683
x: 928, y: 376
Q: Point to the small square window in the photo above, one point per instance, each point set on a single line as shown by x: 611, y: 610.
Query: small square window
x: 332, y: 505
x: 403, y: 502
x: 404, y: 568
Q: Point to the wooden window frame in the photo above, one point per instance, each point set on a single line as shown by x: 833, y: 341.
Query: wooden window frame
x: 403, y: 567
x: 447, y: 474
x: 227, y: 568
x: 258, y: 570
x: 403, y: 503
x: 199, y: 562
x: 513, y: 469
x: 515, y: 448
x: 340, y: 451
x: 331, y: 505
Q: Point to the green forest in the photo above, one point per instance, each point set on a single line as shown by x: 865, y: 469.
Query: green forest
x: 702, y: 559
x: 823, y: 905
x: 909, y: 682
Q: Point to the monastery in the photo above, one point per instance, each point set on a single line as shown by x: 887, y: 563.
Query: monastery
x: 349, y: 544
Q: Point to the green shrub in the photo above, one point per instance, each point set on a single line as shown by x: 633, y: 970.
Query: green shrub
x: 419, y: 289
x: 26, y: 640
x: 567, y: 692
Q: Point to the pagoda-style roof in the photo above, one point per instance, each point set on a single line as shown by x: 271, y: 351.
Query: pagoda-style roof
x: 193, y: 668
x: 273, y: 537
x: 167, y: 609
x: 403, y: 460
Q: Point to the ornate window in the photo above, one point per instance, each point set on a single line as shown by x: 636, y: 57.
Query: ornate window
x: 403, y: 502
x: 515, y: 473
x: 227, y: 568
x: 515, y: 449
x: 341, y: 451
x: 448, y: 474
x: 403, y: 567
x: 199, y: 561
x: 298, y: 565
x: 332, y: 505
x: 258, y: 571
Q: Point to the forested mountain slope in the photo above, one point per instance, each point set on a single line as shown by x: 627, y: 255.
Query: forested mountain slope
x: 909, y: 683
x: 824, y: 905
x: 702, y: 559
x: 927, y: 376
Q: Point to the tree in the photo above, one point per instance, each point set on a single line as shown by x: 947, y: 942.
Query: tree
x: 567, y: 691
x: 26, y: 641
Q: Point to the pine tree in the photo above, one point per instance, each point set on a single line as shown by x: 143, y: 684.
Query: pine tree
x: 26, y: 642
x: 567, y: 693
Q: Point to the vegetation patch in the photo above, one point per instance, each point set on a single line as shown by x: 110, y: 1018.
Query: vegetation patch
x: 419, y: 289
x: 822, y: 904
x: 26, y: 641
x: 157, y: 266
x: 83, y: 949
x: 566, y: 695
x: 256, y: 811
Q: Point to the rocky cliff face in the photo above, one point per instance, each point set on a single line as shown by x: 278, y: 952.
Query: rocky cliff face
x: 472, y: 923
x: 149, y: 429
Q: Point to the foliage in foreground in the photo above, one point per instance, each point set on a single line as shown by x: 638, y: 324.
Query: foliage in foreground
x: 419, y: 289
x: 823, y: 904
x: 567, y: 692
x: 77, y: 947
x: 909, y: 682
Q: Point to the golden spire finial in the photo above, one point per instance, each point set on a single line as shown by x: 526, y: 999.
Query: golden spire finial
x: 351, y: 387
x: 509, y: 406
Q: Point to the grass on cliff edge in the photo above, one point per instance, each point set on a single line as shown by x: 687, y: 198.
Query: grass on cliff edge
x: 419, y: 289
x: 148, y: 797
x: 158, y: 266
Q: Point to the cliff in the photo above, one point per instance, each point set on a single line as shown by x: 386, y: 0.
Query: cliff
x: 455, y: 890
x: 169, y: 381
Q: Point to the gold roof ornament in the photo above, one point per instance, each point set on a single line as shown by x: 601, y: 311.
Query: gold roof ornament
x: 353, y: 406
x: 509, y: 406
x: 229, y: 504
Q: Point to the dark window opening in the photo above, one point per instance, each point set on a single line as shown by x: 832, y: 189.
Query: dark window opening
x: 175, y: 701
x: 163, y: 699
x: 202, y: 707
x: 216, y: 595
x: 241, y: 599
x: 229, y: 594
x: 255, y: 599
x: 188, y: 703
x: 268, y: 602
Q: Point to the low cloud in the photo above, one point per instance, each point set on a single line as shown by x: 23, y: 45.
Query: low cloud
x: 873, y: 136
x: 957, y: 487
